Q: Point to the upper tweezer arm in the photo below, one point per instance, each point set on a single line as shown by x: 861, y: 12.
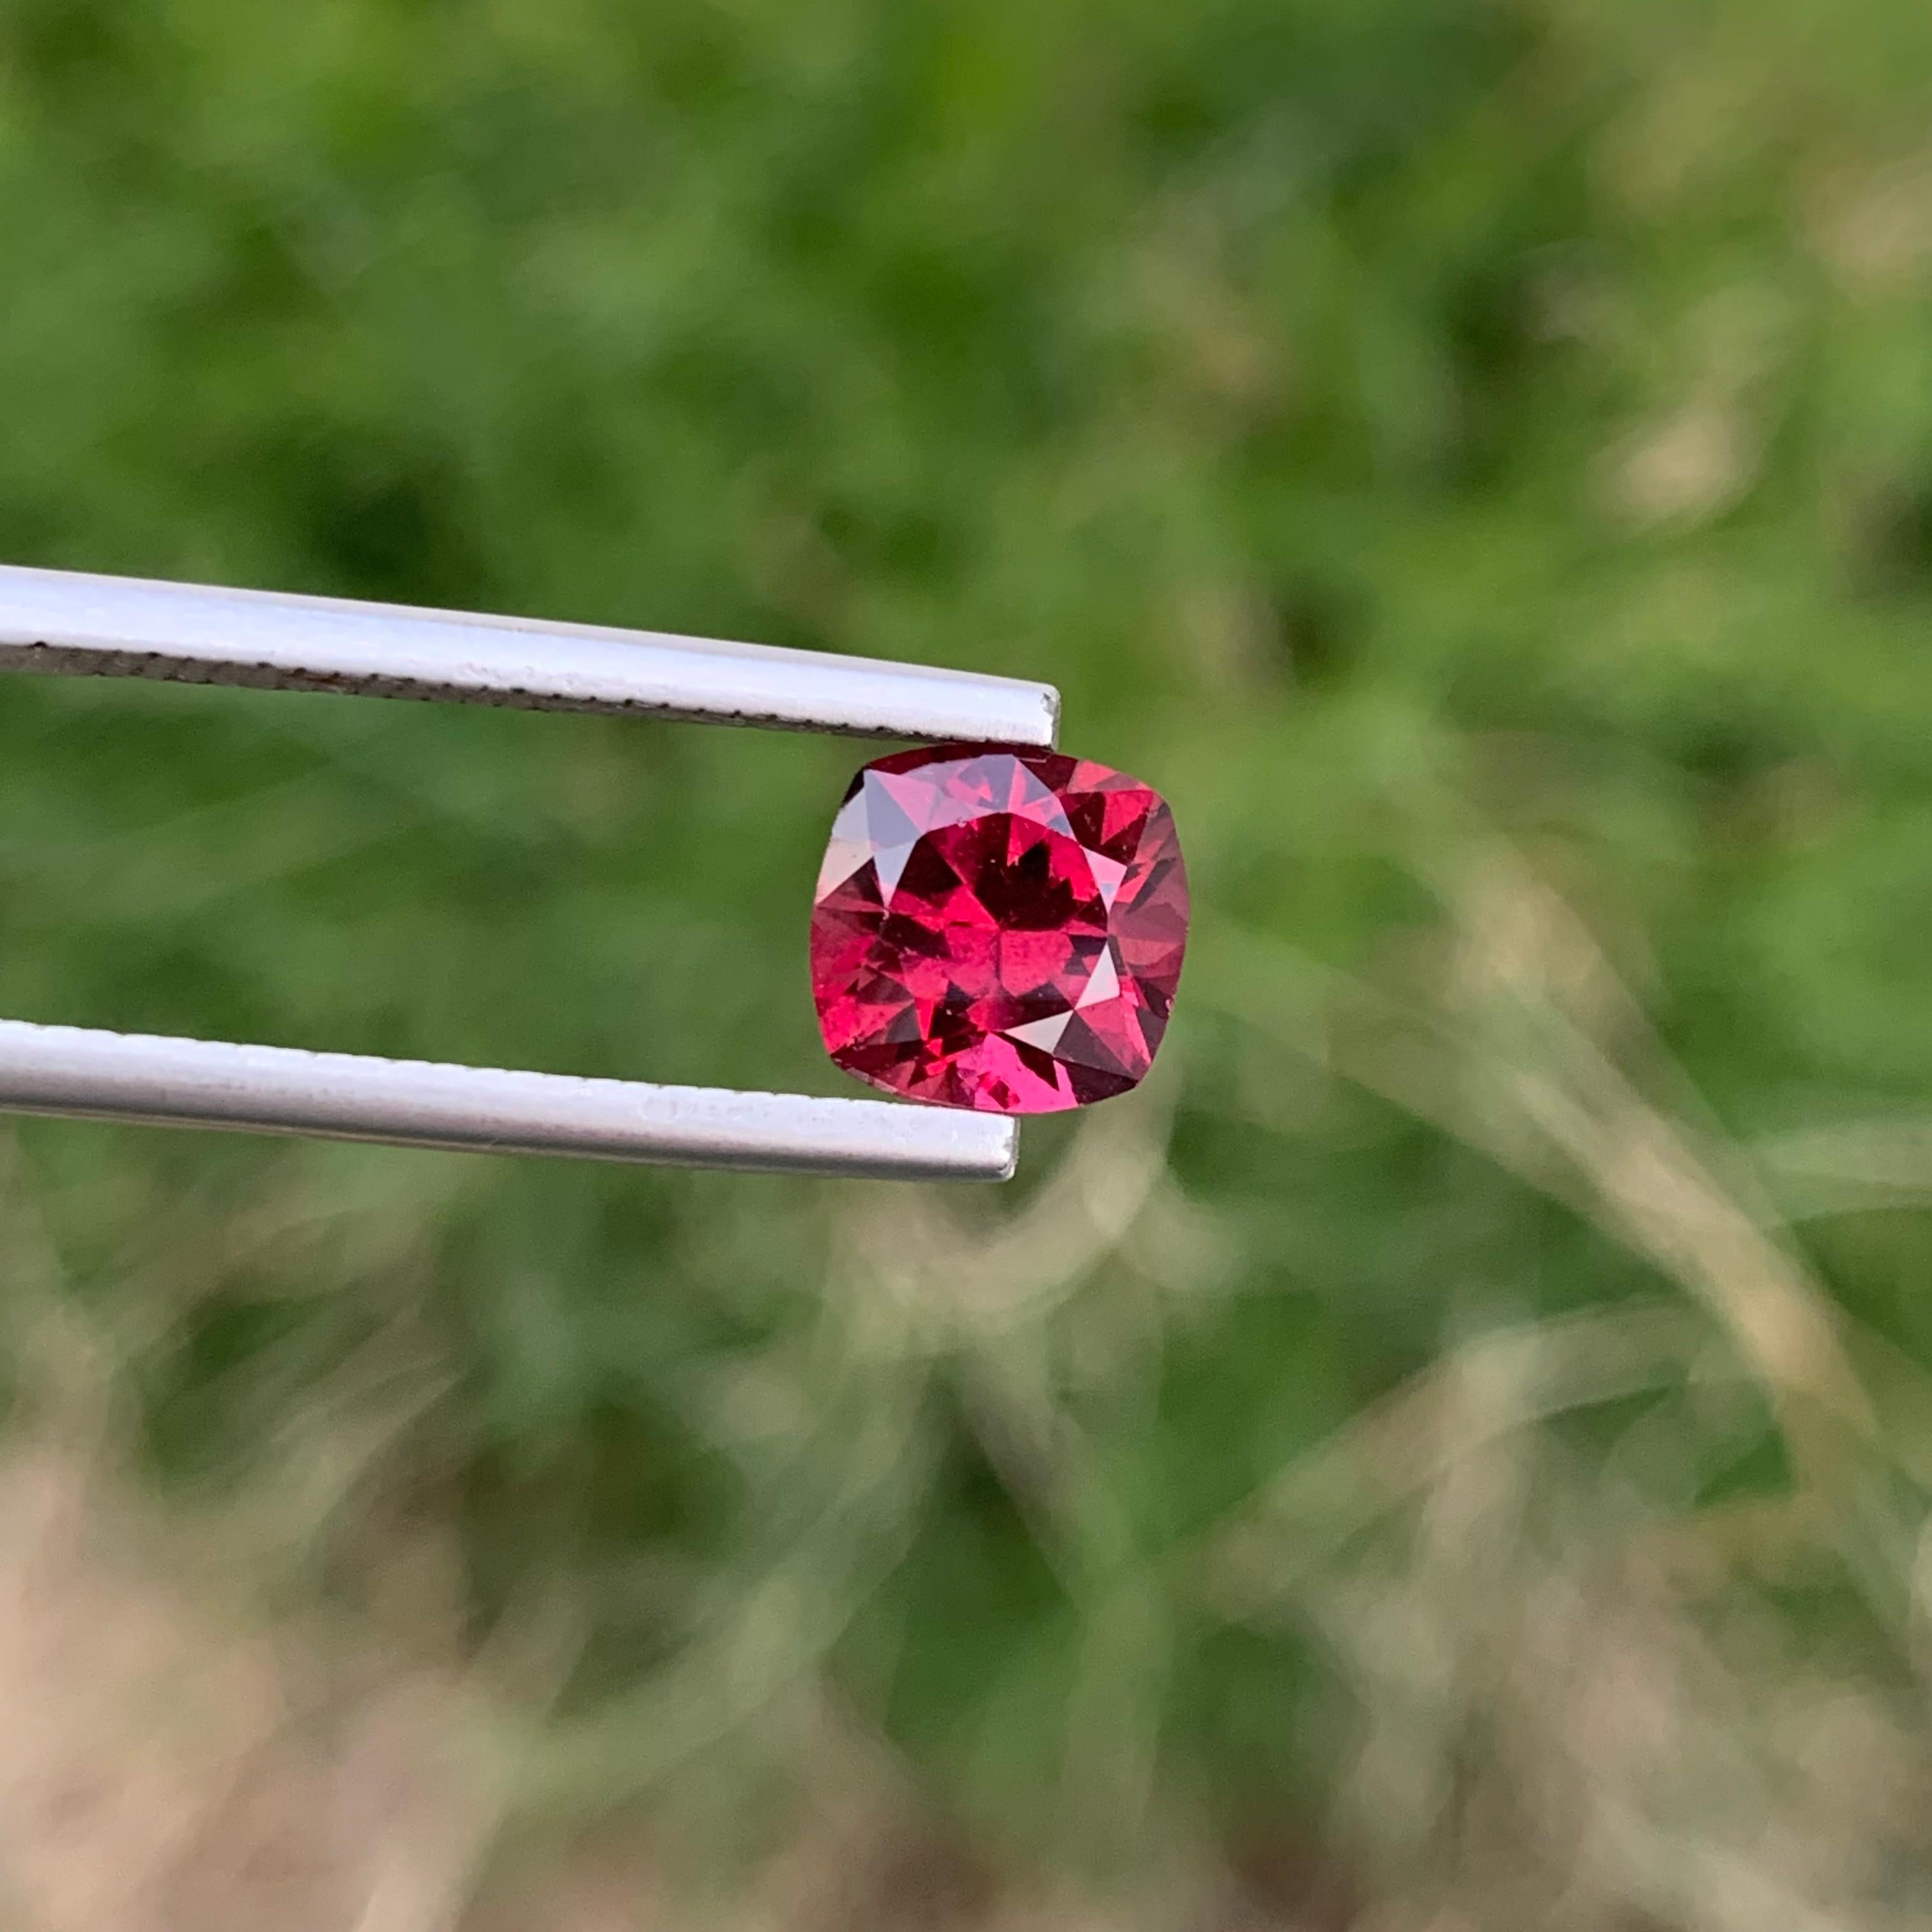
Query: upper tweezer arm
x: 59, y: 621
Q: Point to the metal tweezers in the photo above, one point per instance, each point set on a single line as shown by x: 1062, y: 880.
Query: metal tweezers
x: 72, y: 625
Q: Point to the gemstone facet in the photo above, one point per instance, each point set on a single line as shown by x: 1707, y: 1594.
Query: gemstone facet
x: 997, y: 928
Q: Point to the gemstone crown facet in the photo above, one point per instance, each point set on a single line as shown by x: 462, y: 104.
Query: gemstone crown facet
x: 997, y: 928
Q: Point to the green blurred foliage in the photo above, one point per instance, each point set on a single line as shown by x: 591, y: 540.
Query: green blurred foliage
x: 1410, y: 432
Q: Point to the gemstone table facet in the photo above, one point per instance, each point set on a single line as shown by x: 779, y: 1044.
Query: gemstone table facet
x: 997, y: 928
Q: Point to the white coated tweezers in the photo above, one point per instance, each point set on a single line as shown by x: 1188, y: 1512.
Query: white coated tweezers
x: 54, y: 621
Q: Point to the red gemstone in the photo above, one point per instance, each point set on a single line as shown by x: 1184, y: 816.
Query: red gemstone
x: 998, y: 929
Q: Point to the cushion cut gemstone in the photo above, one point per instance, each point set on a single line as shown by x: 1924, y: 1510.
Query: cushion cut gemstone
x: 998, y: 929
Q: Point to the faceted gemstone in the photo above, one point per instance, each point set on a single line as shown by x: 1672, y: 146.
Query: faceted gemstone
x: 998, y: 929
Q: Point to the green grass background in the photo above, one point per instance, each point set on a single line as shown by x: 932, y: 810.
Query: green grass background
x: 1477, y: 461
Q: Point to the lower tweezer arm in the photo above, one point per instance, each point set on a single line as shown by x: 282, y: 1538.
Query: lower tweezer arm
x: 80, y: 1072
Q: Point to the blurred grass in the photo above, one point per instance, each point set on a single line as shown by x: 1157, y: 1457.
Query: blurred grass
x: 1453, y: 1452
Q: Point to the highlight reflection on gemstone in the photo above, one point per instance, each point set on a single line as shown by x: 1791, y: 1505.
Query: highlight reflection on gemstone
x: 998, y: 929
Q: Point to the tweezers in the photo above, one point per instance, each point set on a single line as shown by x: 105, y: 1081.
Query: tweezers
x: 69, y: 624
